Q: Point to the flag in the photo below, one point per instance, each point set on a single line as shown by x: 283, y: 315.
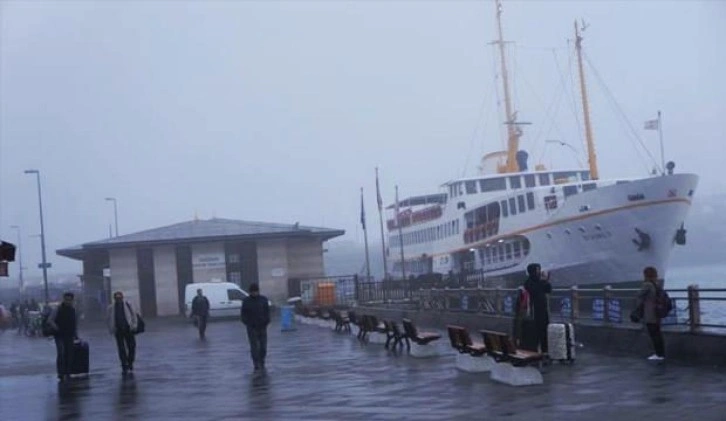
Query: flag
x: 362, y: 210
x: 378, y: 193
x: 652, y: 125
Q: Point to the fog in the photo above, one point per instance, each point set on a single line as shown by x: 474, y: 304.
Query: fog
x: 280, y: 111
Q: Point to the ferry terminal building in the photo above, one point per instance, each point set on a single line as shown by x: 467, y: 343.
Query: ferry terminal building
x: 153, y: 267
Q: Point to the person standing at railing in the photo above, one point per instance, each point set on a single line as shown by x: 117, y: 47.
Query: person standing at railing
x: 538, y: 287
x: 647, y: 302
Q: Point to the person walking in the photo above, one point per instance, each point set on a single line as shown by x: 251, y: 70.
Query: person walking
x: 63, y: 323
x: 647, y: 302
x: 122, y: 323
x: 537, y: 288
x: 255, y: 315
x: 200, y: 311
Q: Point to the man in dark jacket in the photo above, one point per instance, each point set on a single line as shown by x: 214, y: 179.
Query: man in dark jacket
x: 62, y: 321
x: 256, y: 316
x: 538, y: 288
x: 200, y: 311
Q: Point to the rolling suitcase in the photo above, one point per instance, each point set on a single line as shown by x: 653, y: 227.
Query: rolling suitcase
x: 561, y: 342
x: 80, y: 364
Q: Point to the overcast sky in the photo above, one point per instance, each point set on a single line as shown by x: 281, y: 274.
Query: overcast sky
x: 280, y: 111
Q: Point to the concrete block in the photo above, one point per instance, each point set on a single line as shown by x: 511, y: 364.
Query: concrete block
x: 516, y: 376
x: 469, y: 364
x: 425, y: 351
x: 376, y: 338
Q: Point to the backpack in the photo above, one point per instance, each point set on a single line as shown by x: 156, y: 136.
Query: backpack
x: 523, y: 304
x: 663, y: 303
x: 45, y: 328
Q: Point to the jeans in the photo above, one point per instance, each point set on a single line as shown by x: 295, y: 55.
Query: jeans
x: 202, y: 325
x: 64, y: 355
x: 656, y: 336
x: 126, y: 344
x: 258, y: 345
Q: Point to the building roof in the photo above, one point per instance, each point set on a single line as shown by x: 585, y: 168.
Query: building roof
x: 196, y: 231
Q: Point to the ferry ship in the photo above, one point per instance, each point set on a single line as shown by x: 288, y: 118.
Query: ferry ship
x: 582, y: 229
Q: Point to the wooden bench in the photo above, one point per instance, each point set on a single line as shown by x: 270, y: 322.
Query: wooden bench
x: 422, y: 341
x: 394, y: 333
x: 513, y: 365
x: 342, y: 323
x: 462, y: 342
x: 503, y: 348
x: 472, y: 357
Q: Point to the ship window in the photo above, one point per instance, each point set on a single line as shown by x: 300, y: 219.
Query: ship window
x: 569, y: 190
x: 469, y: 216
x: 460, y: 188
x: 515, y: 182
x: 530, y: 201
x: 451, y: 191
x: 517, y: 253
x: 544, y: 179
x: 585, y: 175
x: 471, y: 187
x: 505, y: 208
x: 501, y: 252
x: 512, y: 206
x: 492, y: 184
x: 495, y: 254
x: 564, y: 177
x: 509, y: 251
x: 550, y: 202
x: 520, y: 202
x: 529, y: 180
x: 589, y: 186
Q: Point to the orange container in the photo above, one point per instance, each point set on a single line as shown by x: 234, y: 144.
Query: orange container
x: 325, y: 294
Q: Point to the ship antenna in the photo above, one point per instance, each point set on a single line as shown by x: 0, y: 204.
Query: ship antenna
x: 513, y: 131
x: 591, y: 157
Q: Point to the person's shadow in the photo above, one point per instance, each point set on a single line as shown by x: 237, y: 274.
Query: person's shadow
x: 70, y: 397
x: 260, y: 391
x: 127, y: 393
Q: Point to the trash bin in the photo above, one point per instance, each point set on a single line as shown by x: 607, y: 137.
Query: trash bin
x: 287, y: 318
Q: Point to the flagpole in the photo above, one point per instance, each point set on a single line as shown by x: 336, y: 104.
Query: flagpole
x: 660, y: 134
x: 365, y: 235
x: 383, y: 235
x: 400, y: 238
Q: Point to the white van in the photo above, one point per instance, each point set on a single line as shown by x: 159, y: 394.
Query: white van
x: 225, y: 298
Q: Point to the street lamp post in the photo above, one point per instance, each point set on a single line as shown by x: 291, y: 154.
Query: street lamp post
x: 115, y: 211
x: 20, y: 256
x: 44, y: 264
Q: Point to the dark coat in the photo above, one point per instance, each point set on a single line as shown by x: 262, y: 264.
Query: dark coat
x: 646, y: 298
x: 255, y: 312
x: 538, y: 290
x: 63, y: 322
x: 200, y: 306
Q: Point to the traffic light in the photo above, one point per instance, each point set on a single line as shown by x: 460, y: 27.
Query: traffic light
x: 7, y: 252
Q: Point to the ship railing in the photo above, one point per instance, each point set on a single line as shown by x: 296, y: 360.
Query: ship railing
x: 695, y: 309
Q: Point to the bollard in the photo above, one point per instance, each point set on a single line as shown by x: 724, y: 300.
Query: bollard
x: 575, y: 303
x: 607, y: 294
x: 694, y: 309
x: 287, y: 319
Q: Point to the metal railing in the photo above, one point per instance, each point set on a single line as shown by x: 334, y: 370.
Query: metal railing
x: 694, y: 308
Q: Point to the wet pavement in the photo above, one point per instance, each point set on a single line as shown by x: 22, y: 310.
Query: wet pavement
x: 316, y: 374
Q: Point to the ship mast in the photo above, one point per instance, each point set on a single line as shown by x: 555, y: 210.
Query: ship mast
x: 512, y: 131
x: 591, y: 158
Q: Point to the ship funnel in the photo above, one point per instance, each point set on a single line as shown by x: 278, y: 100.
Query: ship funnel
x: 522, y: 156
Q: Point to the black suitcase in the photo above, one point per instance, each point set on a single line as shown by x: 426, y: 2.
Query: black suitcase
x: 80, y: 363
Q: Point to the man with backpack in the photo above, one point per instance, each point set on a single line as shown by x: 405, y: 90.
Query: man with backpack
x: 654, y: 304
x: 123, y: 322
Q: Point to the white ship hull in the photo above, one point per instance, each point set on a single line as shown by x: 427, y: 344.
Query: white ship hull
x: 602, y: 236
